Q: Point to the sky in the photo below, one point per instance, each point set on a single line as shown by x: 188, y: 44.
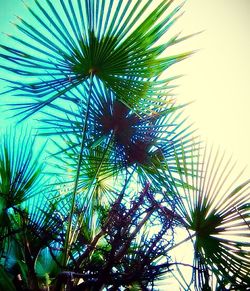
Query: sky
x: 217, y: 76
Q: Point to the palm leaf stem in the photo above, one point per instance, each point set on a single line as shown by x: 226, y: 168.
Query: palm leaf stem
x: 80, y: 158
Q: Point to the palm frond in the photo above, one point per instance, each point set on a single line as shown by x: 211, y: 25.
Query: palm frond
x: 118, y: 42
x: 20, y: 167
x: 20, y: 177
x: 218, y: 213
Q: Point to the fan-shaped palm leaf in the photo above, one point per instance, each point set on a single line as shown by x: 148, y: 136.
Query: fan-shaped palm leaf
x: 19, y: 167
x: 219, y: 214
x: 20, y: 174
x: 116, y: 41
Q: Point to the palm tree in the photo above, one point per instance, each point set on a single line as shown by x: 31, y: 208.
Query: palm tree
x: 124, y: 169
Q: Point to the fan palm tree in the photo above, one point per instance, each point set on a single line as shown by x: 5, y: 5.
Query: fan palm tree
x: 124, y: 171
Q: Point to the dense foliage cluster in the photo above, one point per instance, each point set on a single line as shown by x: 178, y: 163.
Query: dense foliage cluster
x: 124, y: 172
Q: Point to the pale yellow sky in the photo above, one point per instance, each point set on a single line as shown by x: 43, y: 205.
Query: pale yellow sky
x: 218, y: 76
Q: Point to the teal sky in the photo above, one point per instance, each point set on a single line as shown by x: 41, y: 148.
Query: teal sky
x: 8, y: 10
x: 218, y: 76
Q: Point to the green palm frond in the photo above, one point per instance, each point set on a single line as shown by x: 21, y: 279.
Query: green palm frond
x: 20, y: 177
x: 20, y: 181
x: 99, y: 170
x: 19, y: 167
x: 44, y: 223
x: 219, y: 214
x: 117, y: 42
